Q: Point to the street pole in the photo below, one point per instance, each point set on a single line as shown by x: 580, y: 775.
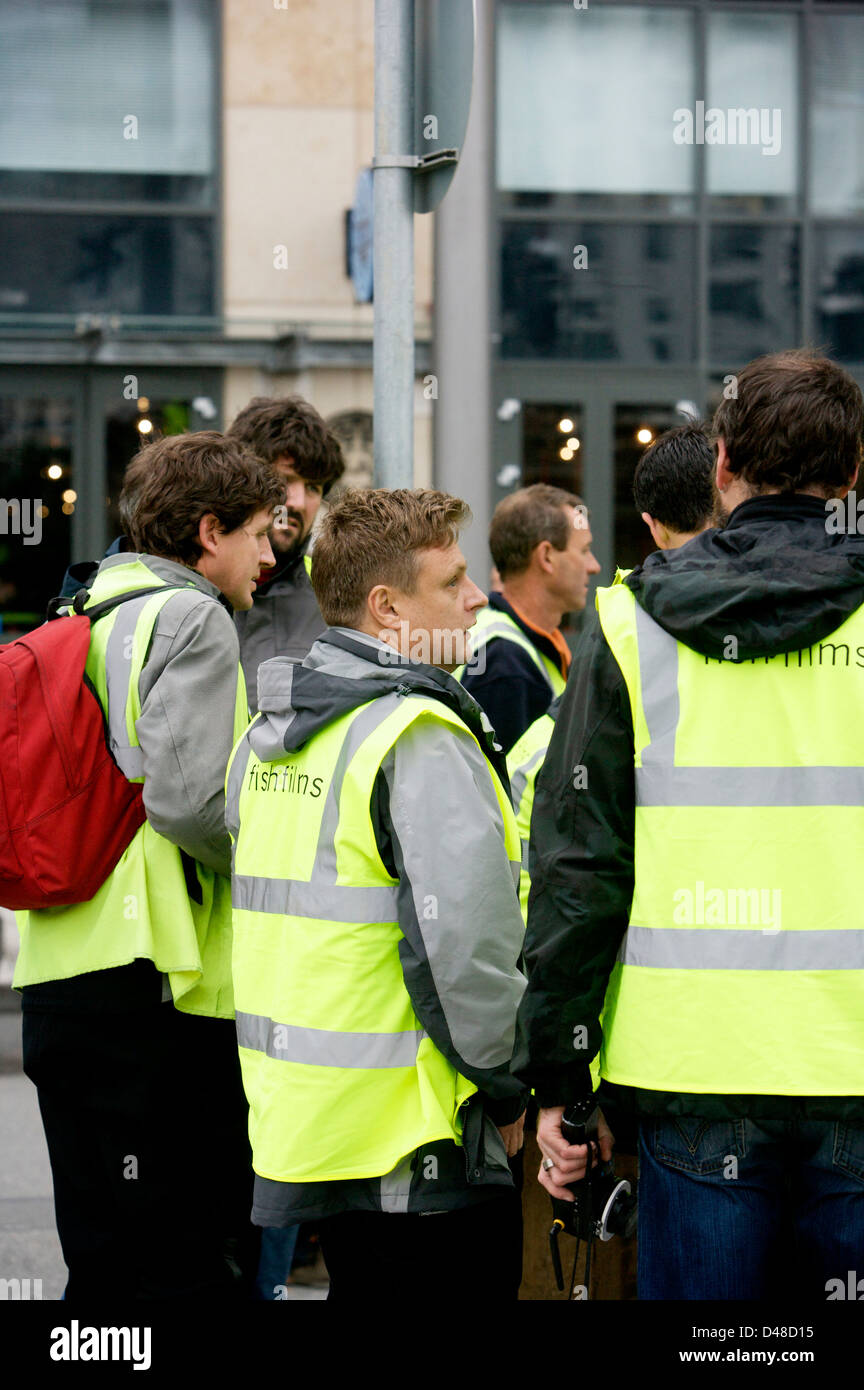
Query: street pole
x: 393, y: 243
x: 463, y: 312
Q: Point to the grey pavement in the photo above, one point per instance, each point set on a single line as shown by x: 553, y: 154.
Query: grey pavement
x: 29, y: 1247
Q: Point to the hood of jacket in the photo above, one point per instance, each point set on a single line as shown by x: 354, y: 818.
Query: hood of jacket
x: 344, y: 669
x: 778, y: 578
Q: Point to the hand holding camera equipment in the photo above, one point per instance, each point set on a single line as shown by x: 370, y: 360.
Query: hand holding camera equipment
x: 603, y: 1206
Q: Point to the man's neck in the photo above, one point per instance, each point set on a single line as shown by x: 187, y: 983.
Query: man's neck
x: 533, y: 603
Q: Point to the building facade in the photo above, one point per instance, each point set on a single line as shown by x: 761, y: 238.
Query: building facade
x: 678, y: 188
x: 174, y: 180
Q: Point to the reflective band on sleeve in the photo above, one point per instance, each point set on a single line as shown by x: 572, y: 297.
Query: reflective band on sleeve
x: 519, y: 780
x: 330, y: 902
x: 396, y: 1186
x: 707, y: 948
x: 318, y: 1047
x: 750, y: 786
x: 658, y: 673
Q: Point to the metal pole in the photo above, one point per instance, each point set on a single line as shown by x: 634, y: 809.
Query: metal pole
x: 393, y: 244
x: 463, y: 308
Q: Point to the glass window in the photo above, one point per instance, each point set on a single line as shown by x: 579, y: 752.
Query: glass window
x: 105, y: 87
x: 585, y: 99
x: 749, y: 120
x: 630, y: 300
x: 839, y: 297
x: 636, y: 426
x: 128, y: 426
x: 36, y: 434
x: 753, y: 291
x: 552, y: 445
x: 53, y: 263
x: 837, y: 115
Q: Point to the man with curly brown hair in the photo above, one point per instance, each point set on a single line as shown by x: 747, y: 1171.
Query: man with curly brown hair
x: 287, y: 433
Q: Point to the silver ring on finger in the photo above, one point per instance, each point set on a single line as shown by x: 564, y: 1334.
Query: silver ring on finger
x: 548, y: 1163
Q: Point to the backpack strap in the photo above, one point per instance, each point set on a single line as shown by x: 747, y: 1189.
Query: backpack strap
x: 99, y: 610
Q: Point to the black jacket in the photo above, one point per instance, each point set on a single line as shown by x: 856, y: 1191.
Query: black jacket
x: 778, y: 580
x: 511, y: 689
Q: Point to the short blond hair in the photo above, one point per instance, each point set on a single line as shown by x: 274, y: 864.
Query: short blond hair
x: 372, y: 536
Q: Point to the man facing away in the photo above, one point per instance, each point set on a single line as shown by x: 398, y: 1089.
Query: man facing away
x: 703, y: 865
x: 541, y: 545
x: 284, y: 620
x: 377, y: 923
x: 673, y: 486
x: 128, y: 1029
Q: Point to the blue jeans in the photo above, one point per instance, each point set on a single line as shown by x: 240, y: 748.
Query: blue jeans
x: 277, y: 1255
x: 731, y: 1209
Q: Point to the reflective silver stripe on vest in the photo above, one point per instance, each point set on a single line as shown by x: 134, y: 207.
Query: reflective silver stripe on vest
x: 511, y: 634
x: 325, y: 869
x: 750, y: 786
x: 519, y: 780
x: 329, y: 902
x: 525, y: 855
x: 118, y: 669
x: 707, y: 948
x: 319, y: 1047
x: 658, y: 673
x: 396, y: 1186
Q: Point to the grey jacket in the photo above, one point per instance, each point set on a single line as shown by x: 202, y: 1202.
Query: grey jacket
x: 284, y: 620
x: 188, y: 690
x: 439, y: 831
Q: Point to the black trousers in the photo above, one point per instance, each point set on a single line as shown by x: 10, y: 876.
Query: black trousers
x: 473, y: 1254
x: 146, y: 1124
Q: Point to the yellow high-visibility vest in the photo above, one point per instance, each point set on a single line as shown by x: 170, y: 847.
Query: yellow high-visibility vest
x: 742, y: 969
x: 341, y: 1078
x: 493, y: 624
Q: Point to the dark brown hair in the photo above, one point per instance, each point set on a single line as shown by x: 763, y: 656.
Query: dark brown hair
x: 372, y: 536
x: 673, y: 481
x: 171, y: 483
x: 793, y: 423
x: 275, y: 425
x: 524, y: 519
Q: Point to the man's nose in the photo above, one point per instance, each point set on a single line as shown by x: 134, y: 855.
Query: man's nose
x: 295, y: 495
x: 476, y: 598
x: 595, y: 566
x: 265, y: 554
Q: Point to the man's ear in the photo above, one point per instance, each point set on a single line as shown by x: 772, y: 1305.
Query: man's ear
x: 209, y: 530
x: 543, y: 555
x: 659, y: 534
x: 381, y: 609
x: 724, y: 475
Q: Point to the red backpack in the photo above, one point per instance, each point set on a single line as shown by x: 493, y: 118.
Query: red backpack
x: 67, y: 812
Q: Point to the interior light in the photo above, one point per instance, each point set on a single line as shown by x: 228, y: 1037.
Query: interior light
x: 55, y: 471
x: 68, y: 508
x: 145, y: 425
x: 565, y: 454
x: 573, y: 442
x: 143, y: 403
x: 565, y: 425
x: 70, y: 495
x: 644, y: 436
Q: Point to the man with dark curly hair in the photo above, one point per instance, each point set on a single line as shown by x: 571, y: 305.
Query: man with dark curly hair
x: 287, y: 433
